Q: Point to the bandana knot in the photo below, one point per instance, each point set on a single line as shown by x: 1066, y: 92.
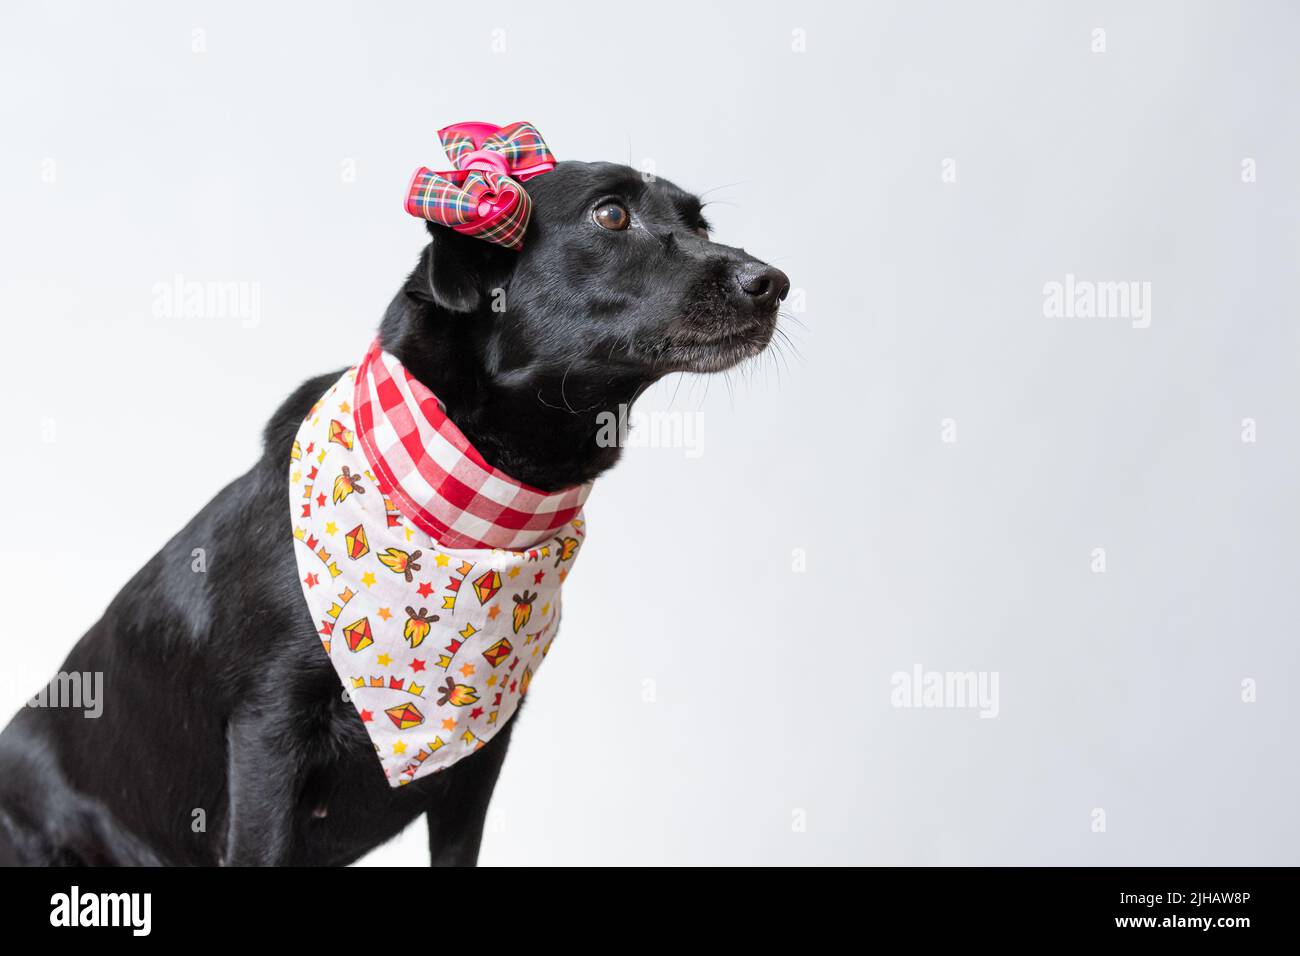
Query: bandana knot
x: 482, y: 196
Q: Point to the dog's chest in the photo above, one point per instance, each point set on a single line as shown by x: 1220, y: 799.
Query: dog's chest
x: 434, y: 646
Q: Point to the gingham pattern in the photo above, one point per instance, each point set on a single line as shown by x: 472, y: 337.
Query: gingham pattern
x: 437, y: 480
x: 478, y: 201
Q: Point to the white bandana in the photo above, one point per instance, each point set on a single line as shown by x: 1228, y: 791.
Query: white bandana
x: 435, y: 646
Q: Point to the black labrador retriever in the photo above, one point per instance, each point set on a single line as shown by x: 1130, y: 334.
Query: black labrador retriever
x: 223, y: 737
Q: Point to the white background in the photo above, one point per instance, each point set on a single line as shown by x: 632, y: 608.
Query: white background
x: 129, y: 158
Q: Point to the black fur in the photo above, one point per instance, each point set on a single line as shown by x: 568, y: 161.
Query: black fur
x: 217, y: 698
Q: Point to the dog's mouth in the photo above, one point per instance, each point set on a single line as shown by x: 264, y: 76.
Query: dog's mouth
x: 716, y: 351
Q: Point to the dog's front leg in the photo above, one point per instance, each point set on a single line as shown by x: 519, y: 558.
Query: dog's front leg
x: 458, y: 810
x: 262, y: 785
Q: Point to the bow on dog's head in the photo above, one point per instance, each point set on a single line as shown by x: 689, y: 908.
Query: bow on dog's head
x: 595, y: 279
x: 481, y: 197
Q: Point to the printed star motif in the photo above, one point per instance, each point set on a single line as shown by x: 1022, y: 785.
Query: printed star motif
x: 296, y: 477
x: 425, y: 589
x: 513, y: 572
x: 449, y: 723
x: 468, y: 670
x: 331, y: 528
x: 492, y: 614
x: 344, y: 407
x: 417, y: 665
x: 320, y: 500
x: 476, y: 713
x: 385, y: 613
x: 441, y: 560
x: 409, y: 533
x: 564, y: 573
x: 399, y: 748
x: 311, y: 580
x: 321, y: 457
x: 383, y: 660
x: 537, y: 578
x: 367, y: 716
x: 368, y: 579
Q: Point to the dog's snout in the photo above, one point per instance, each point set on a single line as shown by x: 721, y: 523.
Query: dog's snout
x: 763, y: 285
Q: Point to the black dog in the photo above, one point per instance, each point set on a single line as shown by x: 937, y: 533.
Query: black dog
x: 219, y: 707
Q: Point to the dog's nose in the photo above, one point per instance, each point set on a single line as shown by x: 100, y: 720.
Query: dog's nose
x: 763, y: 285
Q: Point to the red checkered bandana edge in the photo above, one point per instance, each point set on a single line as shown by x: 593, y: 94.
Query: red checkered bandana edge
x: 436, y: 478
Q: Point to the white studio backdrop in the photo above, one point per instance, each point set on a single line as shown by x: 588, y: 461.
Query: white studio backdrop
x: 964, y: 468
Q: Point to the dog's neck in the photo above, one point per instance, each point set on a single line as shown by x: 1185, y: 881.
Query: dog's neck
x: 545, y: 430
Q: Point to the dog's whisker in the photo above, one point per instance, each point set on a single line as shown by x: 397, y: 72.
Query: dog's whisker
x: 739, y: 182
x: 785, y: 342
x: 779, y: 358
x: 563, y: 380
x: 672, y: 401
x: 791, y: 317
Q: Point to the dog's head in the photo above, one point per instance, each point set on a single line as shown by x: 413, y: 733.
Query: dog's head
x: 618, y: 278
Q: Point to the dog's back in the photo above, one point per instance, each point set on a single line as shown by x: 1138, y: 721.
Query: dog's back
x: 177, y: 649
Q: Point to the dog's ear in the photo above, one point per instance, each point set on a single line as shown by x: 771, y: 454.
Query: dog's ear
x: 458, y: 272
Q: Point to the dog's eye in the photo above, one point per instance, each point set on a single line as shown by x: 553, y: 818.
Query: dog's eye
x: 612, y: 216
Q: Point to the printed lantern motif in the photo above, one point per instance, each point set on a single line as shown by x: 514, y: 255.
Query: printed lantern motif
x: 358, y: 545
x: 498, y: 652
x: 405, y: 716
x: 340, y: 435
x: 358, y: 635
x: 487, y: 585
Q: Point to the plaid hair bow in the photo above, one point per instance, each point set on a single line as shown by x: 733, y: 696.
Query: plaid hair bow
x: 482, y: 197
